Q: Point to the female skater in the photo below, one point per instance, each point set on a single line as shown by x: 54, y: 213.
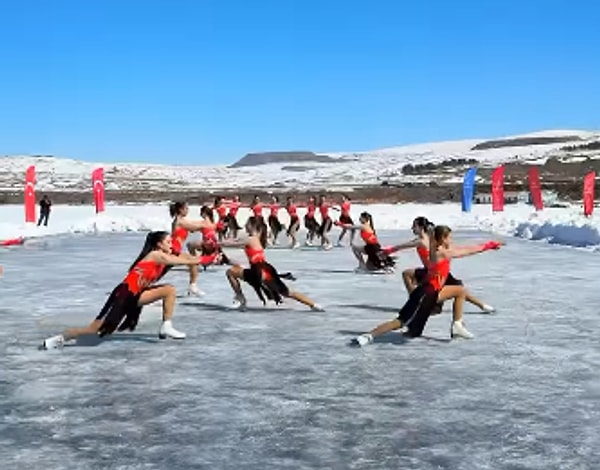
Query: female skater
x: 181, y: 227
x: 256, y: 207
x: 274, y: 223
x: 413, y: 277
x: 345, y: 219
x: 310, y: 222
x: 124, y: 305
x: 221, y: 209
x: 294, y: 224
x: 326, y: 223
x: 416, y: 311
x: 261, y: 275
x: 377, y: 258
x: 209, y: 246
x: 232, y: 224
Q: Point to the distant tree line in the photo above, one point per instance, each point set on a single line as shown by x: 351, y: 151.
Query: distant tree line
x: 595, y: 145
x: 523, y: 142
x: 424, y: 168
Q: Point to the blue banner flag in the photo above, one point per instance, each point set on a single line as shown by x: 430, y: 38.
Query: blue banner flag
x: 468, y: 189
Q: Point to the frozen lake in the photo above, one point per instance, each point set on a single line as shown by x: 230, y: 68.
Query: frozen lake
x: 278, y: 388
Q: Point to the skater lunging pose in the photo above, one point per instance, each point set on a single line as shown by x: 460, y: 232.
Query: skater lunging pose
x: 124, y: 305
x: 371, y: 257
x: 413, y: 277
x: 261, y: 275
x: 413, y: 316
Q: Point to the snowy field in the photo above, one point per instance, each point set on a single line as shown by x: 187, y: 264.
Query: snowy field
x: 278, y: 388
x: 563, y: 226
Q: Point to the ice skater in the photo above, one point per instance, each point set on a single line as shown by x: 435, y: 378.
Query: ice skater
x: 273, y: 220
x: 413, y: 316
x: 124, y: 305
x: 294, y: 224
x: 310, y: 222
x: 371, y: 257
x: 232, y: 224
x: 261, y: 275
x: 326, y: 223
x: 181, y: 228
x: 413, y: 277
x: 345, y: 219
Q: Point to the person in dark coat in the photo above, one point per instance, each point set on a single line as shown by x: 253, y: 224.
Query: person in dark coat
x: 45, y: 205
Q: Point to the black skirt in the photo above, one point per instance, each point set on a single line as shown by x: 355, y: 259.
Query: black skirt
x: 120, y: 312
x: 266, y: 281
x: 311, y: 224
x: 346, y: 219
x: 326, y: 225
x: 421, y: 277
x: 275, y: 224
x: 418, y: 308
x: 232, y: 223
x: 294, y: 224
x: 376, y: 258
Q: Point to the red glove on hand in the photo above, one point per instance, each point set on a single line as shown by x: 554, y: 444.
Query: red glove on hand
x: 338, y: 223
x: 388, y: 250
x: 491, y: 245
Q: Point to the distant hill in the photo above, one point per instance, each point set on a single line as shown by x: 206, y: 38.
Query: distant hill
x: 264, y: 158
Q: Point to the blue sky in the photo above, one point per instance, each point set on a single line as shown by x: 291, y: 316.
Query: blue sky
x: 206, y: 81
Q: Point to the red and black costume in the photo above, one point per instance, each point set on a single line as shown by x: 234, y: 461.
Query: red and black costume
x: 264, y: 278
x: 121, y: 310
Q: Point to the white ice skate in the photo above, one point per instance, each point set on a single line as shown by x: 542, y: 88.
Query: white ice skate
x: 168, y: 331
x: 55, y: 342
x: 458, y: 330
x: 363, y: 340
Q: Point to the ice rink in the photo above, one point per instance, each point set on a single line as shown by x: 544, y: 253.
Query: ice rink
x: 279, y: 388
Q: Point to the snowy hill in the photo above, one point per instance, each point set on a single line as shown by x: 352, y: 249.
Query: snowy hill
x: 345, y: 169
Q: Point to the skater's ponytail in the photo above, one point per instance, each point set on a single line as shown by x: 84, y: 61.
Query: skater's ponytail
x: 258, y: 227
x: 175, y: 208
x: 369, y: 218
x: 206, y: 211
x: 151, y: 244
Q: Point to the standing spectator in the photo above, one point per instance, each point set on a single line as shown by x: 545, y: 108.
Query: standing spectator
x: 45, y: 204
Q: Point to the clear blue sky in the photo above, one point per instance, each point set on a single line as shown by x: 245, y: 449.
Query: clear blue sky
x: 206, y: 81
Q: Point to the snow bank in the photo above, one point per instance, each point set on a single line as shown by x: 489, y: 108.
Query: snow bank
x: 564, y: 226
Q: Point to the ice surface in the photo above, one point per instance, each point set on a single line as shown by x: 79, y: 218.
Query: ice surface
x: 280, y: 389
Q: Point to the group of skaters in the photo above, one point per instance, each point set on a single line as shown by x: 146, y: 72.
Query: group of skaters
x: 428, y: 286
x: 223, y: 213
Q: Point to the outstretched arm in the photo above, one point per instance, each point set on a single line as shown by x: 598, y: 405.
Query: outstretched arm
x: 172, y: 260
x: 403, y: 246
x: 233, y: 243
x: 192, y: 225
x: 462, y: 251
x: 348, y: 226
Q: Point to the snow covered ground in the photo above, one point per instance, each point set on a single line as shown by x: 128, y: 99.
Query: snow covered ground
x: 565, y: 226
x: 348, y: 169
x: 278, y: 388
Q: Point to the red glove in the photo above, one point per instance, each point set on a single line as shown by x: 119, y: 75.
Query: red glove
x: 491, y: 245
x: 388, y: 250
x: 206, y: 260
x: 338, y: 223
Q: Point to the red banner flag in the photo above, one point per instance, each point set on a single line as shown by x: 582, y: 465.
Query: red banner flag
x: 30, y: 194
x: 535, y: 188
x: 498, y: 189
x: 98, y: 188
x: 588, y: 193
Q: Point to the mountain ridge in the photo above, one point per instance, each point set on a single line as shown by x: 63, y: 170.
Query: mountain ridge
x: 437, y: 162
